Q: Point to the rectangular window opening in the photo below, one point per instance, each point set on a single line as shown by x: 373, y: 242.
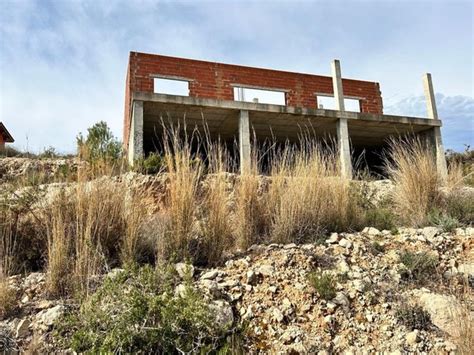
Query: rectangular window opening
x: 170, y: 87
x: 259, y: 96
x: 329, y: 103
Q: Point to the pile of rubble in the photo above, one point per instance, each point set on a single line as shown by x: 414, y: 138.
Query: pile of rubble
x: 269, y: 290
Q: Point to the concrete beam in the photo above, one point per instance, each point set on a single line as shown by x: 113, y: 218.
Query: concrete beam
x: 341, y: 126
x: 436, y: 138
x: 244, y: 142
x: 135, y: 143
x: 171, y: 102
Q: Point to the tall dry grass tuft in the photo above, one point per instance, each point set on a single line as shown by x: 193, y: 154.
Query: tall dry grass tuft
x: 412, y: 167
x: 249, y: 205
x: 185, y: 171
x: 307, y: 197
x: 216, y: 228
x: 455, y: 178
x: 138, y: 204
x: 59, y: 241
x: 92, y: 225
x: 8, y: 297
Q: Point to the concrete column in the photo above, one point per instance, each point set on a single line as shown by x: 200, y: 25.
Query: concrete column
x: 135, y: 140
x: 342, y: 129
x: 436, y: 131
x: 244, y: 142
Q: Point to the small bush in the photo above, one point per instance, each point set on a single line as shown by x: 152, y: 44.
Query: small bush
x: 460, y: 206
x: 324, y: 284
x: 419, y: 266
x: 136, y: 311
x: 380, y: 218
x: 413, y: 317
x: 99, y: 145
x: 442, y: 220
x: 153, y: 164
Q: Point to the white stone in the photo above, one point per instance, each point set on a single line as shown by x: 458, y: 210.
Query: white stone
x: 333, y: 239
x: 444, y: 310
x: 430, y: 232
x: 277, y: 315
x: 22, y: 329
x: 184, y: 270
x: 343, y: 267
x: 371, y: 231
x: 412, y: 337
x: 47, y: 317
x: 210, y: 275
x: 466, y: 269
x: 223, y: 313
x: 345, y: 243
x: 266, y: 270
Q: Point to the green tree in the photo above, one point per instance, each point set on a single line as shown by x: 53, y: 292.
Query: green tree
x: 100, y: 144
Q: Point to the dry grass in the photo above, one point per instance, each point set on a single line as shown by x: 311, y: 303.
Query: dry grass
x: 250, y: 217
x: 185, y: 172
x: 412, y: 167
x: 216, y: 228
x: 455, y: 178
x: 8, y: 297
x: 59, y: 244
x: 307, y: 197
x: 91, y: 226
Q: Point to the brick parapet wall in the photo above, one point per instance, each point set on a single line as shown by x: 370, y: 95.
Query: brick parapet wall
x: 215, y: 80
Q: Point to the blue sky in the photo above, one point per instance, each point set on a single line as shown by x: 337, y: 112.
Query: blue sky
x: 63, y: 63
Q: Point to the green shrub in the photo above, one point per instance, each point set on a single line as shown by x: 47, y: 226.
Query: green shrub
x: 419, y: 266
x: 442, y: 220
x: 460, y: 206
x: 136, y: 311
x: 380, y: 218
x: 99, y: 145
x: 153, y: 164
x: 413, y: 317
x: 324, y: 284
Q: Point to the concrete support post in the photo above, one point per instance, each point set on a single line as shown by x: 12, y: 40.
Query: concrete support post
x: 244, y: 142
x: 342, y: 129
x: 436, y: 131
x: 135, y: 140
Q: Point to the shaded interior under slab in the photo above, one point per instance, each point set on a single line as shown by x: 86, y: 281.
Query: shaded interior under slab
x: 218, y: 120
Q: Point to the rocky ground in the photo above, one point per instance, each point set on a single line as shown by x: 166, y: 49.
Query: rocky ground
x: 266, y: 292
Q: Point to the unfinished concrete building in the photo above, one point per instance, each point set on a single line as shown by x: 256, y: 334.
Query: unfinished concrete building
x: 238, y: 102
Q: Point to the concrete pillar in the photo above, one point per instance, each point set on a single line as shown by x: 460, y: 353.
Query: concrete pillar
x: 436, y: 131
x: 135, y: 140
x: 342, y: 129
x: 244, y: 142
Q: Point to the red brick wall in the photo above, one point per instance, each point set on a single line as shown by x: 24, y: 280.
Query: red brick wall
x: 2, y: 142
x: 213, y: 80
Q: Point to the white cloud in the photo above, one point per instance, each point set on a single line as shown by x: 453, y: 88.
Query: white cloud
x: 456, y: 113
